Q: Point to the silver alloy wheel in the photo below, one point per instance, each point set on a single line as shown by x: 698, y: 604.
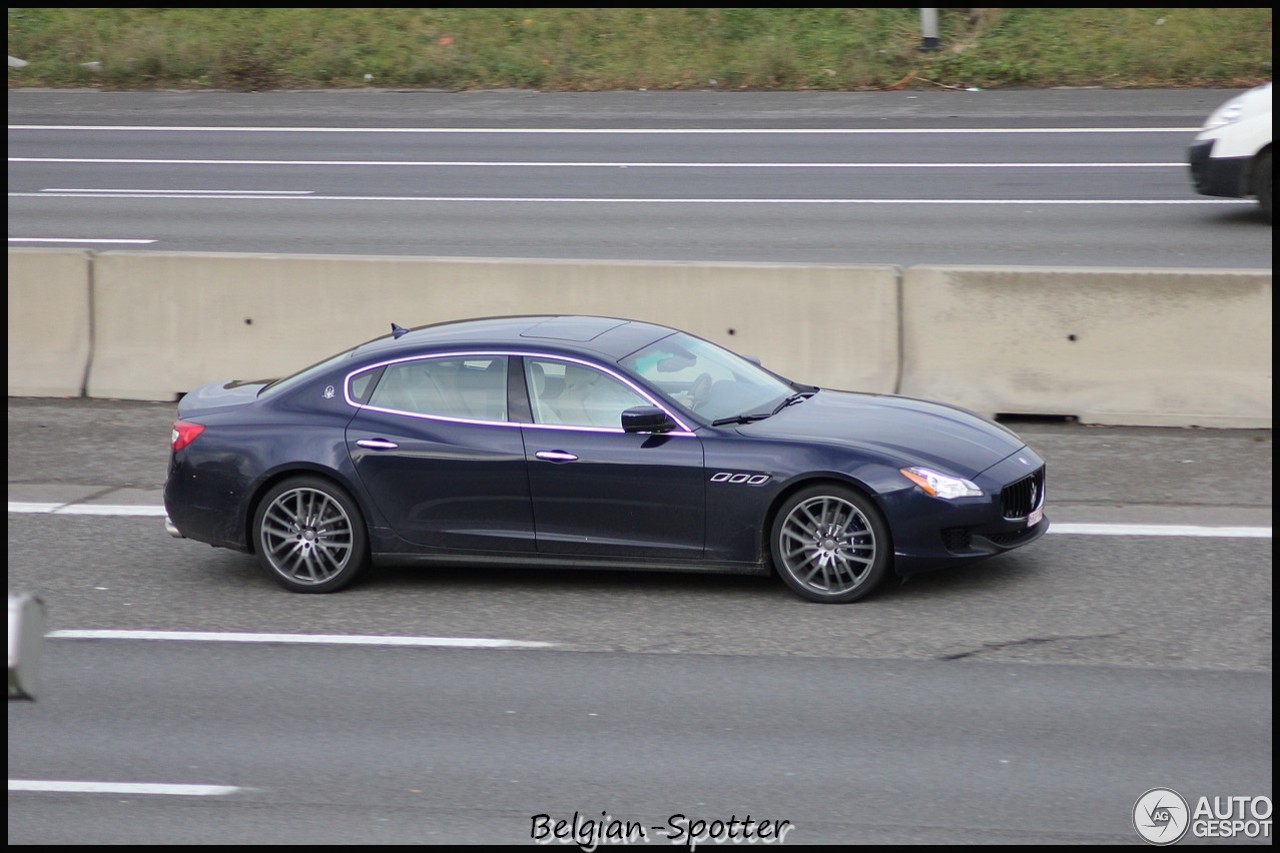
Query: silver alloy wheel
x: 307, y: 536
x: 828, y: 545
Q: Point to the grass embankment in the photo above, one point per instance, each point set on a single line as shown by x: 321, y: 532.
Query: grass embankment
x: 626, y: 48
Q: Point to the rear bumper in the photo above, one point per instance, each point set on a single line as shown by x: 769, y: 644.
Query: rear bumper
x: 205, y: 509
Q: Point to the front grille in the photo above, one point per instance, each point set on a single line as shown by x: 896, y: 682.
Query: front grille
x: 1018, y: 499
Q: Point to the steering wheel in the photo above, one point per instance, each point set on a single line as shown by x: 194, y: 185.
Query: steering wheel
x: 700, y: 391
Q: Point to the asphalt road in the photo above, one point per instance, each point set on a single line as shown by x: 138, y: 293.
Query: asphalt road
x: 1082, y: 177
x: 345, y: 746
x: 1031, y: 698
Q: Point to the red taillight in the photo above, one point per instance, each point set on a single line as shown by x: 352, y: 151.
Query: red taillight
x: 184, y: 432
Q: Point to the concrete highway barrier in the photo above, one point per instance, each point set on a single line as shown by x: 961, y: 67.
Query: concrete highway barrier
x: 1175, y: 347
x: 1108, y: 346
x: 49, y: 326
x: 166, y: 323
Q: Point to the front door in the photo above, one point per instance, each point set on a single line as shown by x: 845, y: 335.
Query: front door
x: 598, y: 491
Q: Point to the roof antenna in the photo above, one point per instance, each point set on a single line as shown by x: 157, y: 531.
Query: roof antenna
x: 397, y: 331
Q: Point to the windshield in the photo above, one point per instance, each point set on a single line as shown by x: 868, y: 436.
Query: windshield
x: 707, y: 379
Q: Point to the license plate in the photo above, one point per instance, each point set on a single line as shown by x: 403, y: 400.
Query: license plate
x: 1034, y: 517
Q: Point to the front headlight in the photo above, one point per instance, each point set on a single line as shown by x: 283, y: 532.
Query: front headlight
x: 1225, y: 114
x: 941, y: 485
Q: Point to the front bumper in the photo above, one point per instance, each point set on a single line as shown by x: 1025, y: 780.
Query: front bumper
x: 931, y: 533
x: 1217, y: 176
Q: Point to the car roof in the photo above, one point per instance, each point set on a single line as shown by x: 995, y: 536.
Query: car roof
x: 611, y: 337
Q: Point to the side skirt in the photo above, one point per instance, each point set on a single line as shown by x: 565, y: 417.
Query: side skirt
x: 563, y: 562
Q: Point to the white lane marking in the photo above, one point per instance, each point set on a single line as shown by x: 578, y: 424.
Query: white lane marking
x: 121, y: 788
x: 1161, y: 530
x: 71, y: 240
x: 1224, y: 532
x: 86, y: 509
x: 144, y: 190
x: 607, y: 131
x: 582, y: 164
x: 301, y: 639
x: 601, y: 200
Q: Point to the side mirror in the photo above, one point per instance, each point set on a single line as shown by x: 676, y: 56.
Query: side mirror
x: 646, y: 419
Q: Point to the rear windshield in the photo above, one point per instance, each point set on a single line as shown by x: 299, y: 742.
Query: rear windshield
x: 302, y: 376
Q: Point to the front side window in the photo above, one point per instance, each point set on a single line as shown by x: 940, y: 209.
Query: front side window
x: 705, y: 378
x: 465, y: 388
x: 569, y: 394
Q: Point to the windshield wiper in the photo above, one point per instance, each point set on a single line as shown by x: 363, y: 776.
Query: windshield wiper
x: 798, y: 397
x: 742, y: 419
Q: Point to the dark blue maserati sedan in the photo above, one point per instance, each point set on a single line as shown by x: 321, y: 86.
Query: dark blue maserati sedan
x: 590, y: 441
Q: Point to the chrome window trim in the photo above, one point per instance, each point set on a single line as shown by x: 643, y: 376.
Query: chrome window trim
x: 683, y: 432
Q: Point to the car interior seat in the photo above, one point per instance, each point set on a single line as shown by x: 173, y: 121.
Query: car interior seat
x: 571, y: 405
x: 542, y: 409
x: 483, y: 392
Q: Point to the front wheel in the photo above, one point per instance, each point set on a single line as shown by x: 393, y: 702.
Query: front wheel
x: 309, y: 535
x: 830, y: 544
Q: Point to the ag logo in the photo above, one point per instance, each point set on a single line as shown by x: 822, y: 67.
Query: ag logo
x: 1161, y: 816
x: 328, y: 392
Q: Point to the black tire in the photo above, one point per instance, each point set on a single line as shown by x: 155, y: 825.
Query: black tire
x: 310, y: 536
x: 1262, y: 184
x: 830, y: 544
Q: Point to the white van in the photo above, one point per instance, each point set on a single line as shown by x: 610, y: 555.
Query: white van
x: 1231, y: 156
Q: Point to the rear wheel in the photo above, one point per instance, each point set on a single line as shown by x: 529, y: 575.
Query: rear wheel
x: 830, y: 544
x: 309, y: 535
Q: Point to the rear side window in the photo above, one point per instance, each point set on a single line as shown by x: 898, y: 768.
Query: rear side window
x: 464, y: 388
x: 362, y: 385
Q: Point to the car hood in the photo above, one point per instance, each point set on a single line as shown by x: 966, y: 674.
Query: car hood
x: 910, y: 431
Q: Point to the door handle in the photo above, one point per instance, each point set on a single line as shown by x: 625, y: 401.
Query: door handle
x: 377, y: 444
x: 556, y: 456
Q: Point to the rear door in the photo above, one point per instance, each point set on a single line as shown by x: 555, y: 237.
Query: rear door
x: 439, y: 457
